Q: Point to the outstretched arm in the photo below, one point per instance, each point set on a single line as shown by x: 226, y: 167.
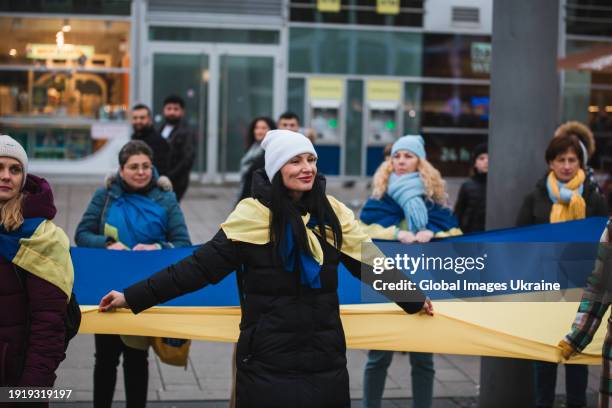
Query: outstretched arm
x: 208, y: 265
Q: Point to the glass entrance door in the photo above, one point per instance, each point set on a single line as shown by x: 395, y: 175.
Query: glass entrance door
x: 185, y: 75
x: 246, y: 91
x: 225, y: 87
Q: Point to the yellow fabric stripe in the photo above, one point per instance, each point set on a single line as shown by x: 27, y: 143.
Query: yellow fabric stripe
x: 453, y: 232
x: 376, y: 231
x: 529, y: 330
x: 46, y: 254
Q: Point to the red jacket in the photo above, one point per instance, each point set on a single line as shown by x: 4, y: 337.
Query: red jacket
x: 30, y: 356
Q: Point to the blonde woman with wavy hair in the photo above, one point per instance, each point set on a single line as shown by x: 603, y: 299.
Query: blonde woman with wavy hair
x: 409, y: 204
x: 409, y: 201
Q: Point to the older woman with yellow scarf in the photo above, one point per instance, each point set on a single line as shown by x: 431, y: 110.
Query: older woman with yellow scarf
x: 564, y: 194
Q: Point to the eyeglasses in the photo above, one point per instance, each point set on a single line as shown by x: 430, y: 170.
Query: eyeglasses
x: 136, y: 167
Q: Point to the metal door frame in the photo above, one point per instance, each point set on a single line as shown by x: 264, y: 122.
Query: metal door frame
x: 214, y: 51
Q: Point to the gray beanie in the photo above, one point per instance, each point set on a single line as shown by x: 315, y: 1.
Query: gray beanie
x: 9, y: 147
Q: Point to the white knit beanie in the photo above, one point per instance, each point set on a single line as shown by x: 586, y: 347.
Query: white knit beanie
x: 281, y: 145
x: 9, y: 147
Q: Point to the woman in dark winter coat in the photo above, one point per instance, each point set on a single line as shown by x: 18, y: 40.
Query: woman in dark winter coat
x: 36, y: 274
x: 134, y: 211
x: 565, y: 194
x: 471, y: 205
x: 291, y: 350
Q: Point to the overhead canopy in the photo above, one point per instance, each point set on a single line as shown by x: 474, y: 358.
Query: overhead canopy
x: 596, y: 59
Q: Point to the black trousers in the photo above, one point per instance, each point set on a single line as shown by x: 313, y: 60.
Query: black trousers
x: 135, y: 372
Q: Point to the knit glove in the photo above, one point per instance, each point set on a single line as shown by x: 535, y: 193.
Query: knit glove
x: 566, y: 349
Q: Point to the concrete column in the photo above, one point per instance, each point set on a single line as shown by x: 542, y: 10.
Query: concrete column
x: 524, y: 115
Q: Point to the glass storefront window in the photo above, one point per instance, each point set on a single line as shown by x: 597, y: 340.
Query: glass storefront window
x: 296, y: 93
x: 361, y: 12
x: 412, y: 108
x: 449, y: 105
x: 63, y: 68
x: 589, y: 17
x: 363, y: 52
x: 42, y: 142
x: 456, y: 56
x: 63, y: 94
x: 451, y: 153
x: 217, y: 35
x: 111, y: 7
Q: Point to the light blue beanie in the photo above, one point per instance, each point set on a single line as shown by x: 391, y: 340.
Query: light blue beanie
x: 412, y: 143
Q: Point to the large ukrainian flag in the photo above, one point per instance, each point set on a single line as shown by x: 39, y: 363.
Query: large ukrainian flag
x: 528, y: 330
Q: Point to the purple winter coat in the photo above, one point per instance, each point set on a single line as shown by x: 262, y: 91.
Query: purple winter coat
x: 43, y: 349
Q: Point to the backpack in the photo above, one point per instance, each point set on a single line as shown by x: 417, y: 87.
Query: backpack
x: 72, y: 319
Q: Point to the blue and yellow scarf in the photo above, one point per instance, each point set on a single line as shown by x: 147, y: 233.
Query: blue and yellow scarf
x: 250, y: 222
x: 42, y: 249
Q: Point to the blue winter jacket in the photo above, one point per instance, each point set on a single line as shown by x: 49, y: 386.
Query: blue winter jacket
x: 90, y: 231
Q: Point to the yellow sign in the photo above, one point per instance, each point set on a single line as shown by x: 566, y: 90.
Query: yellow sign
x: 328, y: 6
x: 384, y: 90
x: 52, y: 51
x: 388, y: 6
x: 326, y: 88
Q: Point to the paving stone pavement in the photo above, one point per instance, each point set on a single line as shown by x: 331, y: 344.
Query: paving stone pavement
x: 207, y: 377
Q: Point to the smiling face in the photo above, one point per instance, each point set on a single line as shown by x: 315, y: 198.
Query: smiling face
x: 11, y: 178
x: 137, y: 171
x: 299, y: 173
x: 565, y: 165
x: 404, y: 162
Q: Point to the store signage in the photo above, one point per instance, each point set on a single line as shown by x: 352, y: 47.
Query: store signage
x: 481, y: 57
x: 388, y: 6
x: 384, y: 90
x: 328, y: 6
x: 109, y: 130
x: 52, y: 51
x: 326, y: 88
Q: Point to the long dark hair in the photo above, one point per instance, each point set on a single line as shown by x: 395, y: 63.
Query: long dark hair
x: 250, y: 137
x: 286, y: 211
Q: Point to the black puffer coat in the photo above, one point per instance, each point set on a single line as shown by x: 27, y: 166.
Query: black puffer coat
x: 471, y: 205
x: 291, y: 350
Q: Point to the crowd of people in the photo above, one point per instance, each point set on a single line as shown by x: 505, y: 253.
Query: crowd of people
x: 299, y: 352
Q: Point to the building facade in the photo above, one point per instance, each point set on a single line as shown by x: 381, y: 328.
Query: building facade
x: 359, y: 72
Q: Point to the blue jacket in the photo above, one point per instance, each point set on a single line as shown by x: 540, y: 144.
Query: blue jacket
x: 90, y: 231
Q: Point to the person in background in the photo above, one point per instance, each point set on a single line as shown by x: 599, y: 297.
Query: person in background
x: 182, y: 139
x: 409, y: 204
x: 254, y: 154
x: 290, y: 121
x: 587, y: 145
x: 564, y: 194
x: 143, y: 129
x: 135, y: 210
x: 471, y: 205
x: 35, y: 291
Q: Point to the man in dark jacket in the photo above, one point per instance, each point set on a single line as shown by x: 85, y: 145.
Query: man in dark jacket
x: 142, y: 125
x: 182, y: 139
